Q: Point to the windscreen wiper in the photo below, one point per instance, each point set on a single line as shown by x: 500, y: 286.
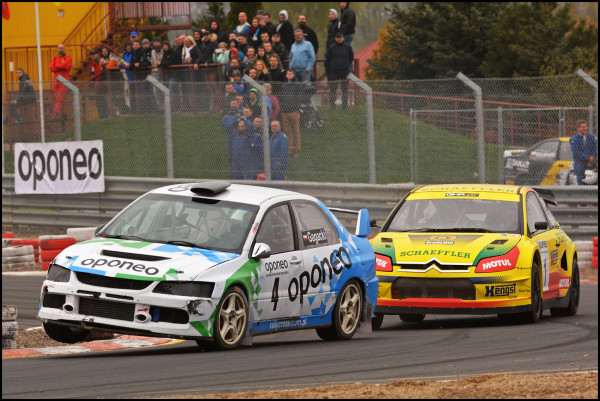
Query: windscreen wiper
x: 183, y: 243
x: 130, y: 237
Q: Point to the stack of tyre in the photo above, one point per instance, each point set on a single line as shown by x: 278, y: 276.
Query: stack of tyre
x: 10, y: 327
x: 584, y: 253
x: 595, y: 253
x: 17, y: 257
x: 51, y: 246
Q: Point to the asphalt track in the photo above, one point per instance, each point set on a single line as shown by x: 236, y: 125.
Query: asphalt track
x: 440, y: 348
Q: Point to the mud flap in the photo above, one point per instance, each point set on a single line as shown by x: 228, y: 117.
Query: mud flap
x: 247, y: 340
x: 364, y: 326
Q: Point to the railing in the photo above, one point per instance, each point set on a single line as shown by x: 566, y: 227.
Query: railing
x: 90, y: 28
x: 86, y: 210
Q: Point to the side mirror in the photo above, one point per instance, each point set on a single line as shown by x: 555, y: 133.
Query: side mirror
x: 98, y: 229
x: 363, y: 224
x: 540, y: 225
x: 260, y: 251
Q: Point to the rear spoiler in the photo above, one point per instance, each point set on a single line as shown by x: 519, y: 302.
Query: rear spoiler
x: 547, y: 195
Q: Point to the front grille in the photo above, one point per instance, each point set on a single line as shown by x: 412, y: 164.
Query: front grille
x: 107, y: 309
x: 169, y: 315
x: 441, y: 267
x: 408, y: 287
x: 112, y: 282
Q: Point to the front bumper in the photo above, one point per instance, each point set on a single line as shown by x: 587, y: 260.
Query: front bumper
x: 126, y: 311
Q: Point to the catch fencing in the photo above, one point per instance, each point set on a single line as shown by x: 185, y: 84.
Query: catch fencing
x: 419, y: 131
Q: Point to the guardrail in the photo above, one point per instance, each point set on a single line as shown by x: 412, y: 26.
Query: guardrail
x: 86, y: 210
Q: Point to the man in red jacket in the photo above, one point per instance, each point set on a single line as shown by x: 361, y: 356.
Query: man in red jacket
x: 60, y: 65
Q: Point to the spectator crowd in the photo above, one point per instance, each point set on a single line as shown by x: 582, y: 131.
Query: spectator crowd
x: 275, y: 55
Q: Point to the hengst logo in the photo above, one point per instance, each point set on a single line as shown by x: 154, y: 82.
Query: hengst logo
x: 500, y: 290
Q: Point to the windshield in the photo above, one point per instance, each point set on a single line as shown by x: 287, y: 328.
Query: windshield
x: 456, y: 215
x: 179, y: 220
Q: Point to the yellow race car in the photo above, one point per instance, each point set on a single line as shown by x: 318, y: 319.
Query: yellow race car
x: 475, y: 249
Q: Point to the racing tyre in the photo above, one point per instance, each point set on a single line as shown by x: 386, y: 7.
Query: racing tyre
x: 535, y: 313
x: 346, y: 314
x: 64, y: 334
x: 412, y: 318
x: 377, y: 321
x: 230, y: 322
x: 571, y: 309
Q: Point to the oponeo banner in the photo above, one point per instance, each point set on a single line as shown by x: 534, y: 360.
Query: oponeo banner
x: 59, y: 167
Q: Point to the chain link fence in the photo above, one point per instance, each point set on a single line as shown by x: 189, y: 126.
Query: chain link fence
x: 423, y: 131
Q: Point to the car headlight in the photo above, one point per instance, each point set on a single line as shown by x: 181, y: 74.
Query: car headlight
x: 186, y: 289
x: 58, y: 273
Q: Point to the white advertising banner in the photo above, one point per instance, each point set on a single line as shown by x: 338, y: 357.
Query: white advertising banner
x: 59, y: 167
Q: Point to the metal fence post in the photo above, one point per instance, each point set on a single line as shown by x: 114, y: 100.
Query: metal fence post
x: 76, y: 106
x: 265, y: 117
x: 413, y: 146
x: 370, y: 125
x: 479, y: 119
x: 594, y: 85
x: 500, y: 147
x: 168, y: 130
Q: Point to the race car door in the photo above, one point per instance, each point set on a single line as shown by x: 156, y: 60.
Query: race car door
x: 279, y: 270
x: 548, y: 243
x: 320, y: 245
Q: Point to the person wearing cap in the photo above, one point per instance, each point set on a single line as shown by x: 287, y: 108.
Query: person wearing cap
x: 133, y: 36
x: 338, y: 59
x: 280, y: 49
x: 242, y: 167
x: 285, y: 30
x: 332, y: 27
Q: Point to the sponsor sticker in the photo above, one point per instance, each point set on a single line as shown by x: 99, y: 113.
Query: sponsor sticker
x: 462, y: 195
x: 314, y: 237
x: 500, y: 290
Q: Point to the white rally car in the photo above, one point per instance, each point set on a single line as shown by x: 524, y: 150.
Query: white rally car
x: 216, y: 263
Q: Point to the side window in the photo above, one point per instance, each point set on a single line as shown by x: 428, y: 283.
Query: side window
x: 552, y: 223
x: 546, y: 150
x: 565, y: 151
x: 276, y: 230
x: 314, y: 227
x: 535, y: 212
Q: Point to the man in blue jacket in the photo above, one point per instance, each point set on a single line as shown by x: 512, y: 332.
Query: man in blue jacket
x: 278, y: 146
x: 584, y: 148
x: 302, y: 57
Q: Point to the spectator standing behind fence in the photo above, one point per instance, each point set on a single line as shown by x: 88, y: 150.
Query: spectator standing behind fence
x: 332, y: 27
x: 289, y: 101
x: 585, y: 150
x: 278, y: 147
x: 25, y: 96
x: 276, y: 72
x: 98, y: 90
x: 280, y: 49
x: 61, y: 66
x: 242, y: 45
x: 242, y: 166
x: 244, y: 26
x: 275, y: 108
x: 347, y: 24
x: 338, y: 58
x: 229, y: 122
x: 309, y: 34
x: 256, y: 149
x: 155, y: 59
x: 254, y: 32
x: 302, y: 57
x: 285, y: 30
x: 262, y: 70
x: 216, y: 34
